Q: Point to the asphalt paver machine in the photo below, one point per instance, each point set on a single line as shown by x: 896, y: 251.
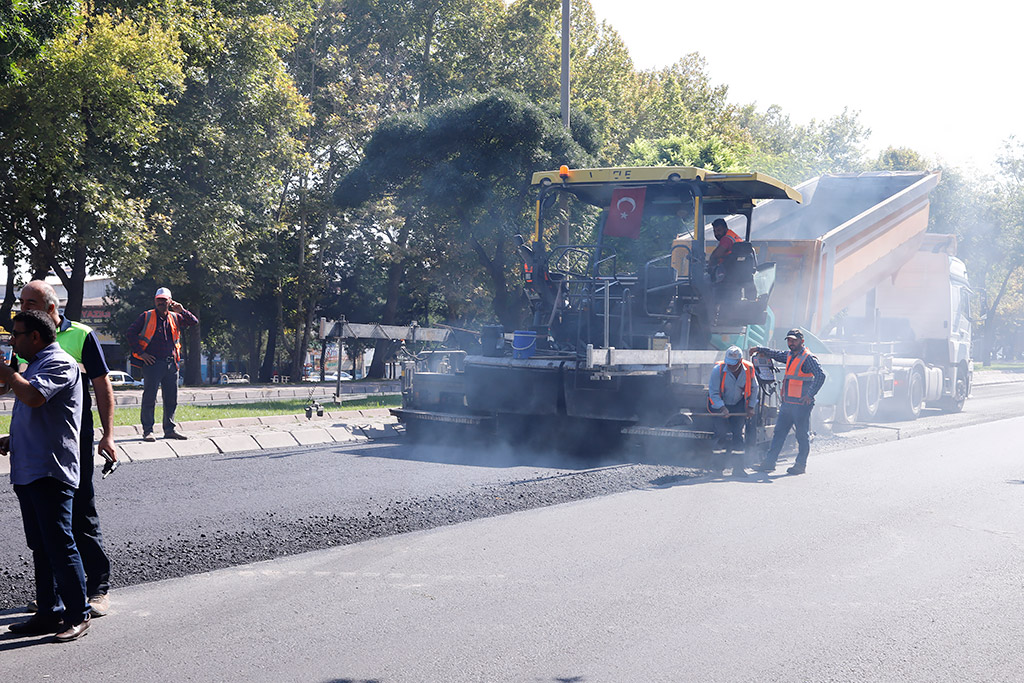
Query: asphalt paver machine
x: 626, y: 327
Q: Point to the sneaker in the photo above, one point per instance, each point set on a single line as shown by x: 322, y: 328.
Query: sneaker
x: 37, y: 625
x: 32, y: 606
x: 73, y: 632
x: 797, y: 469
x: 148, y: 436
x: 99, y: 605
x: 175, y: 435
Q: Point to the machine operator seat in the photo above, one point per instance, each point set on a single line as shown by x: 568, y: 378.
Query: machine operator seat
x: 738, y: 270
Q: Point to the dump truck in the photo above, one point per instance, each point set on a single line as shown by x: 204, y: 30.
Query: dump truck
x: 883, y: 303
x: 620, y: 342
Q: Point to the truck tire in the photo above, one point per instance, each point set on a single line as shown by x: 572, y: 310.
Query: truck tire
x: 955, y: 403
x: 871, y: 395
x: 913, y: 400
x: 849, y: 404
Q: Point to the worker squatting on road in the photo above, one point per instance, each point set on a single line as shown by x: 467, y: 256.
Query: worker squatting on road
x: 804, y: 377
x: 732, y: 396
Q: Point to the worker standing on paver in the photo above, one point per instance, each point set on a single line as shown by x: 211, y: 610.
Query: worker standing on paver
x: 80, y: 342
x: 156, y: 349
x: 732, y: 396
x: 804, y: 377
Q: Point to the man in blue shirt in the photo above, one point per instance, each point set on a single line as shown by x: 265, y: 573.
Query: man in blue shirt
x: 80, y: 342
x: 45, y: 471
x: 732, y: 398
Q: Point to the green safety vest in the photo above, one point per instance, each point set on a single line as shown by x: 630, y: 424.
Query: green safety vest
x: 72, y: 340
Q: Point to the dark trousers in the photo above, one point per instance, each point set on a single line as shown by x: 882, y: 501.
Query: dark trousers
x: 163, y: 374
x: 60, y: 580
x: 734, y: 425
x: 85, y: 524
x: 793, y: 416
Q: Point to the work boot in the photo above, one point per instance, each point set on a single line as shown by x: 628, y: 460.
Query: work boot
x: 73, y: 632
x: 175, y: 435
x: 797, y: 469
x: 99, y: 605
x: 37, y: 625
x: 739, y: 472
x: 764, y: 468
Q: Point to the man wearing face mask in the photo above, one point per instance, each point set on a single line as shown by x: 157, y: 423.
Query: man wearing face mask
x: 155, y: 340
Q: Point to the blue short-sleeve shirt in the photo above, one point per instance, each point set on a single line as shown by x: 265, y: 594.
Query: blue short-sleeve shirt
x: 44, y: 440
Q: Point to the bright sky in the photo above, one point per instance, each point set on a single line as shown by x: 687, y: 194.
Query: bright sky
x: 940, y: 77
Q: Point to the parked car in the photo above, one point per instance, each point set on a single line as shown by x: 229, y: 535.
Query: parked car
x: 329, y: 377
x: 119, y: 378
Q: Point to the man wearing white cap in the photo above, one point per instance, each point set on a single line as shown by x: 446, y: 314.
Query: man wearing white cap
x: 156, y: 351
x: 732, y: 398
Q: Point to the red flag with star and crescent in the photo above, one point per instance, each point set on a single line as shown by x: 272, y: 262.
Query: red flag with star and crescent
x: 625, y: 212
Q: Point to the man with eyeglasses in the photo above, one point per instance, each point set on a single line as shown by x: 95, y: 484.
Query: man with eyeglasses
x: 45, y: 472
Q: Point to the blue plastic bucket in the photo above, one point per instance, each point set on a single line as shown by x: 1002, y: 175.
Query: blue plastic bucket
x: 524, y: 344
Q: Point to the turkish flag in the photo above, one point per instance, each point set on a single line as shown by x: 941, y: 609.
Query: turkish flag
x: 625, y: 212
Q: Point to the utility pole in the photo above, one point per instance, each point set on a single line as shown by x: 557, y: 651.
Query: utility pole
x: 565, y: 63
x: 563, y: 201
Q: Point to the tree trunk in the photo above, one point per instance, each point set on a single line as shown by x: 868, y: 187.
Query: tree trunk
x: 267, y: 371
x: 8, y: 304
x: 396, y: 274
x: 194, y: 359
x: 255, y: 343
x: 76, y: 285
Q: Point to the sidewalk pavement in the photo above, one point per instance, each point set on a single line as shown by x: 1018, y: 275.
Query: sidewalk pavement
x: 230, y: 435
x: 249, y: 393
x: 984, y: 377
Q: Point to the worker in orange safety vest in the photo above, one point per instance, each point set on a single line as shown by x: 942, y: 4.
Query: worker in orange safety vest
x: 155, y: 339
x: 732, y: 400
x: 803, y: 378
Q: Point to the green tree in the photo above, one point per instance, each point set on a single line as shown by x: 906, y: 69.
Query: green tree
x: 74, y: 131
x: 466, y: 166
x: 26, y: 27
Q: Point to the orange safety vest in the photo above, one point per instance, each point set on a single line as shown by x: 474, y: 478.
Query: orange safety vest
x: 748, y: 370
x: 796, y: 383
x: 149, y: 329
x: 735, y: 238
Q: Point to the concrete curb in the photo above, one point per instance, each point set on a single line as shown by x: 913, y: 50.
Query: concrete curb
x: 235, y: 435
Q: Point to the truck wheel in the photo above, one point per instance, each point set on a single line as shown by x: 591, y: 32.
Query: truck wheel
x: 955, y: 403
x: 913, y: 400
x: 849, y: 404
x: 871, y: 396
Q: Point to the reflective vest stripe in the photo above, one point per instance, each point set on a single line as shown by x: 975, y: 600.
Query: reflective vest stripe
x: 149, y: 329
x: 748, y: 370
x: 796, y: 381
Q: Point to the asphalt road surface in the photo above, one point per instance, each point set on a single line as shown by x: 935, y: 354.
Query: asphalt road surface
x: 890, y: 560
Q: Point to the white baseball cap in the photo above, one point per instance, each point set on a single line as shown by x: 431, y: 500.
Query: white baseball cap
x: 163, y: 293
x: 733, y: 355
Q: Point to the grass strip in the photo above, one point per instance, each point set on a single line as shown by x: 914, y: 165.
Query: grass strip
x: 190, y: 412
